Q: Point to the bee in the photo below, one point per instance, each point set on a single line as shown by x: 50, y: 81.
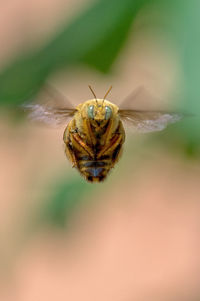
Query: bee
x: 95, y: 135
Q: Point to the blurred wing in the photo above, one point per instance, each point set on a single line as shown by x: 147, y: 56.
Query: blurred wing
x: 148, y: 121
x: 48, y: 114
x: 53, y: 107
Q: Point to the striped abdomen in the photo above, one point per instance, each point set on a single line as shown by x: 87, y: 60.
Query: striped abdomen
x: 95, y: 170
x: 95, y: 156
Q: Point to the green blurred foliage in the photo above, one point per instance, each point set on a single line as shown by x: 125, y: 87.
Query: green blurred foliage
x: 66, y: 194
x: 94, y: 38
x: 189, y: 49
x: 182, y: 25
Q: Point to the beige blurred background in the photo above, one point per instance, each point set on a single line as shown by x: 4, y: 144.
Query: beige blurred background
x: 138, y: 237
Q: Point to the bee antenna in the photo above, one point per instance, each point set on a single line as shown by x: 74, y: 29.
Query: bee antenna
x: 107, y: 93
x: 92, y: 92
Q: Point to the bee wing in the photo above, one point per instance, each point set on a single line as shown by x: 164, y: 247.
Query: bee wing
x: 148, y: 121
x: 47, y: 114
x: 54, y: 110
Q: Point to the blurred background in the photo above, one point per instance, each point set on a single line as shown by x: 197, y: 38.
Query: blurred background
x: 135, y: 236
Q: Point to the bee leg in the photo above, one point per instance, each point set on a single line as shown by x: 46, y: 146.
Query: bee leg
x: 77, y: 140
x: 70, y: 155
x: 89, y: 133
x: 116, y: 154
x: 111, y: 146
x: 68, y: 148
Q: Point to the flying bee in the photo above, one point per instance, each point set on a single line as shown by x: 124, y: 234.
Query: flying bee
x: 95, y: 135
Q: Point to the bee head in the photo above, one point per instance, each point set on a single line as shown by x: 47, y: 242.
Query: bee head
x: 99, y: 112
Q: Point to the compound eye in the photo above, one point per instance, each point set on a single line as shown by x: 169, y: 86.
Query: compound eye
x: 108, y: 113
x: 91, y: 112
